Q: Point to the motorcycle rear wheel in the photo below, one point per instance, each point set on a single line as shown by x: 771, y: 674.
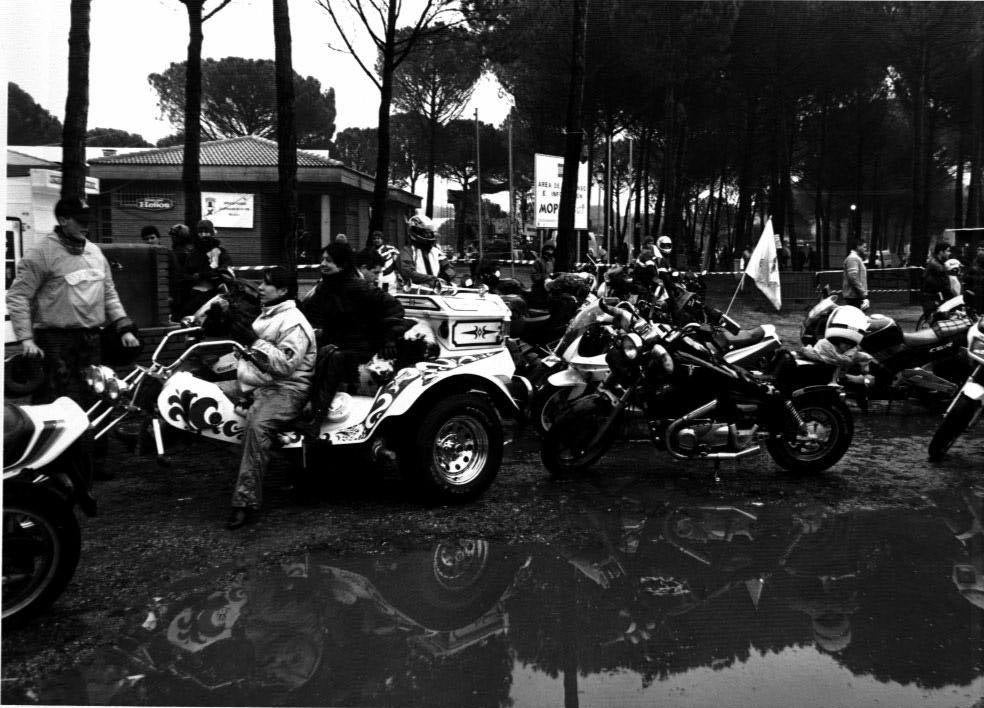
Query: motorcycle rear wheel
x: 563, y: 450
x: 830, y: 430
x: 954, y: 424
x: 456, y: 452
x: 41, y: 548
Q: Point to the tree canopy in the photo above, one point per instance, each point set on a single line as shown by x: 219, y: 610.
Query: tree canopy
x: 28, y: 123
x: 114, y: 137
x: 239, y: 98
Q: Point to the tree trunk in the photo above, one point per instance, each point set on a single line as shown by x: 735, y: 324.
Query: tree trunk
x: 286, y: 133
x: 639, y: 177
x: 658, y: 209
x: 919, y: 239
x: 76, y: 103
x: 380, y: 189
x: 431, y: 165
x: 958, y: 206
x: 566, y: 246
x: 191, y: 176
x: 975, y: 195
x: 646, y: 226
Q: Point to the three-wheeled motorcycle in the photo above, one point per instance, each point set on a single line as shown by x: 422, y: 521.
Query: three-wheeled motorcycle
x: 440, y: 418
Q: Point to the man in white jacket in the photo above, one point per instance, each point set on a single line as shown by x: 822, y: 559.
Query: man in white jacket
x: 277, y: 373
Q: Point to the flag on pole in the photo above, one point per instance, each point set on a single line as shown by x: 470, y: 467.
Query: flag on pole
x: 763, y: 266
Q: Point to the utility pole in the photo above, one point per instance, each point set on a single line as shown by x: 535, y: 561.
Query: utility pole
x: 512, y: 205
x: 478, y: 184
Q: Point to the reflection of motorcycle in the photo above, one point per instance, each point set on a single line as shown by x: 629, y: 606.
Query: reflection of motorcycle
x: 323, y: 627
x: 922, y: 364
x: 46, y: 473
x: 662, y: 371
x: 439, y: 416
x: 965, y: 408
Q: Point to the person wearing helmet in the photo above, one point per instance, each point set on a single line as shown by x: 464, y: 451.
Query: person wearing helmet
x: 954, y: 269
x: 421, y: 260
x: 664, y: 247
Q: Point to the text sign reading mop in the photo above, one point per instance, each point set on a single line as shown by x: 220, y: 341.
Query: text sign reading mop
x: 228, y: 210
x: 549, y: 175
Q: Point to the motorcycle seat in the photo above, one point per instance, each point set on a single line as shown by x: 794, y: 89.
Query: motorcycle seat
x: 745, y: 338
x: 920, y: 338
x: 17, y: 433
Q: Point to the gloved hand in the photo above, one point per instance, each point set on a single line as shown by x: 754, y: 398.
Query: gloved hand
x: 388, y: 350
x: 865, y: 305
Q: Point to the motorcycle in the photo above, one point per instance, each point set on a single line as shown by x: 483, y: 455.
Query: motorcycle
x: 965, y: 408
x: 924, y: 364
x: 578, y: 363
x: 439, y: 416
x: 659, y: 370
x: 46, y: 474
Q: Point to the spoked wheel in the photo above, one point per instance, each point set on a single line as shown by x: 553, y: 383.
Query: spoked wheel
x: 826, y: 434
x: 955, y: 422
x: 570, y: 447
x: 457, y: 451
x: 41, y: 546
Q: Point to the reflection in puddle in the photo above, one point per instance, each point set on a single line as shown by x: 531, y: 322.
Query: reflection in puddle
x: 647, y: 600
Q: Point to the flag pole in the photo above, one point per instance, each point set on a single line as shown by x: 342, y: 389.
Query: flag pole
x: 740, y: 281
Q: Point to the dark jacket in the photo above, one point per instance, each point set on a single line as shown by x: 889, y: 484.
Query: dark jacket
x: 935, y: 279
x: 352, y: 314
x: 974, y: 281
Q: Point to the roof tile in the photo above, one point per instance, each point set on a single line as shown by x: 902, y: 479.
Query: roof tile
x: 245, y: 151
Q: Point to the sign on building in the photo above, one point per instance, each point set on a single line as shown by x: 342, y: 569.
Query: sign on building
x: 228, y: 210
x: 53, y: 180
x: 548, y: 178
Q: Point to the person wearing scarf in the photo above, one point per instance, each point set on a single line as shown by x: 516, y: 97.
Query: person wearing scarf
x: 62, y: 297
x: 355, y: 320
x: 276, y: 373
x: 422, y: 261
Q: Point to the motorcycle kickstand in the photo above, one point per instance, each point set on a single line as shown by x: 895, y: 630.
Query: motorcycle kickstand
x: 162, y: 460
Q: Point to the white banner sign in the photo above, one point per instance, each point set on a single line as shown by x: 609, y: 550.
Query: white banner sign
x: 228, y: 210
x: 549, y: 176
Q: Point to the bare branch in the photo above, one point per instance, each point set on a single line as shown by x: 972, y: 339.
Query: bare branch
x: 220, y: 6
x: 351, y: 50
x: 356, y: 5
x: 414, y: 35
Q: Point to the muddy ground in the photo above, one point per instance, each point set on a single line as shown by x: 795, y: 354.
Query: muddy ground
x: 159, y: 525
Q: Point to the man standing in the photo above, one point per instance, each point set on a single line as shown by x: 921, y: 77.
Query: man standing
x: 62, y: 296
x: 855, y: 284
x: 935, y: 280
x: 390, y: 256
x: 180, y: 261
x: 974, y: 280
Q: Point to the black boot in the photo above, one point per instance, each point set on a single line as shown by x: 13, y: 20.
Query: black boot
x: 240, y: 516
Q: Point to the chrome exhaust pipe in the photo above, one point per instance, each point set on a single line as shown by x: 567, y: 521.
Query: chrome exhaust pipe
x: 679, y: 422
x: 732, y: 455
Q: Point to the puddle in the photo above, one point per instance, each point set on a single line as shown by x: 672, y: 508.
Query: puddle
x: 647, y: 601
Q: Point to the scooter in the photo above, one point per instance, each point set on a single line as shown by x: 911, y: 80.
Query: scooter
x: 46, y: 474
x: 924, y: 364
x: 965, y: 408
x: 439, y: 417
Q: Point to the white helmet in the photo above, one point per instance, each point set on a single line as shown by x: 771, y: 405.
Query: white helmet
x: 952, y: 265
x: 846, y: 322
x: 664, y: 244
x: 421, y: 228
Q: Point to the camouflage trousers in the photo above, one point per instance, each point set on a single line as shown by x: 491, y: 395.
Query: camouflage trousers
x: 273, y: 410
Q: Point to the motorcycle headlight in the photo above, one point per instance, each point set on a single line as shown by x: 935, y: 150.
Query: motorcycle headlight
x: 975, y: 342
x: 631, y: 343
x: 115, y: 388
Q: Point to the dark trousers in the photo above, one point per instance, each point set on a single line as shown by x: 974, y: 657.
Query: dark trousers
x: 334, y: 367
x: 66, y: 353
x: 853, y: 301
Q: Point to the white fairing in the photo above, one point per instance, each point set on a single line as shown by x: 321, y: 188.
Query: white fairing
x: 189, y: 403
x: 68, y: 421
x: 973, y: 391
x: 951, y: 304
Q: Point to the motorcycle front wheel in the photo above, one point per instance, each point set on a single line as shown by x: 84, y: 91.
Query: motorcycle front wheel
x: 827, y: 434
x: 566, y: 448
x: 41, y: 547
x: 955, y: 422
x: 548, y: 404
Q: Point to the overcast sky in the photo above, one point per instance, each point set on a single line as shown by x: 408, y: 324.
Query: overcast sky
x: 133, y: 38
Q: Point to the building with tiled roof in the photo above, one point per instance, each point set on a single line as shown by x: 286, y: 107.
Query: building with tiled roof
x: 239, y: 185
